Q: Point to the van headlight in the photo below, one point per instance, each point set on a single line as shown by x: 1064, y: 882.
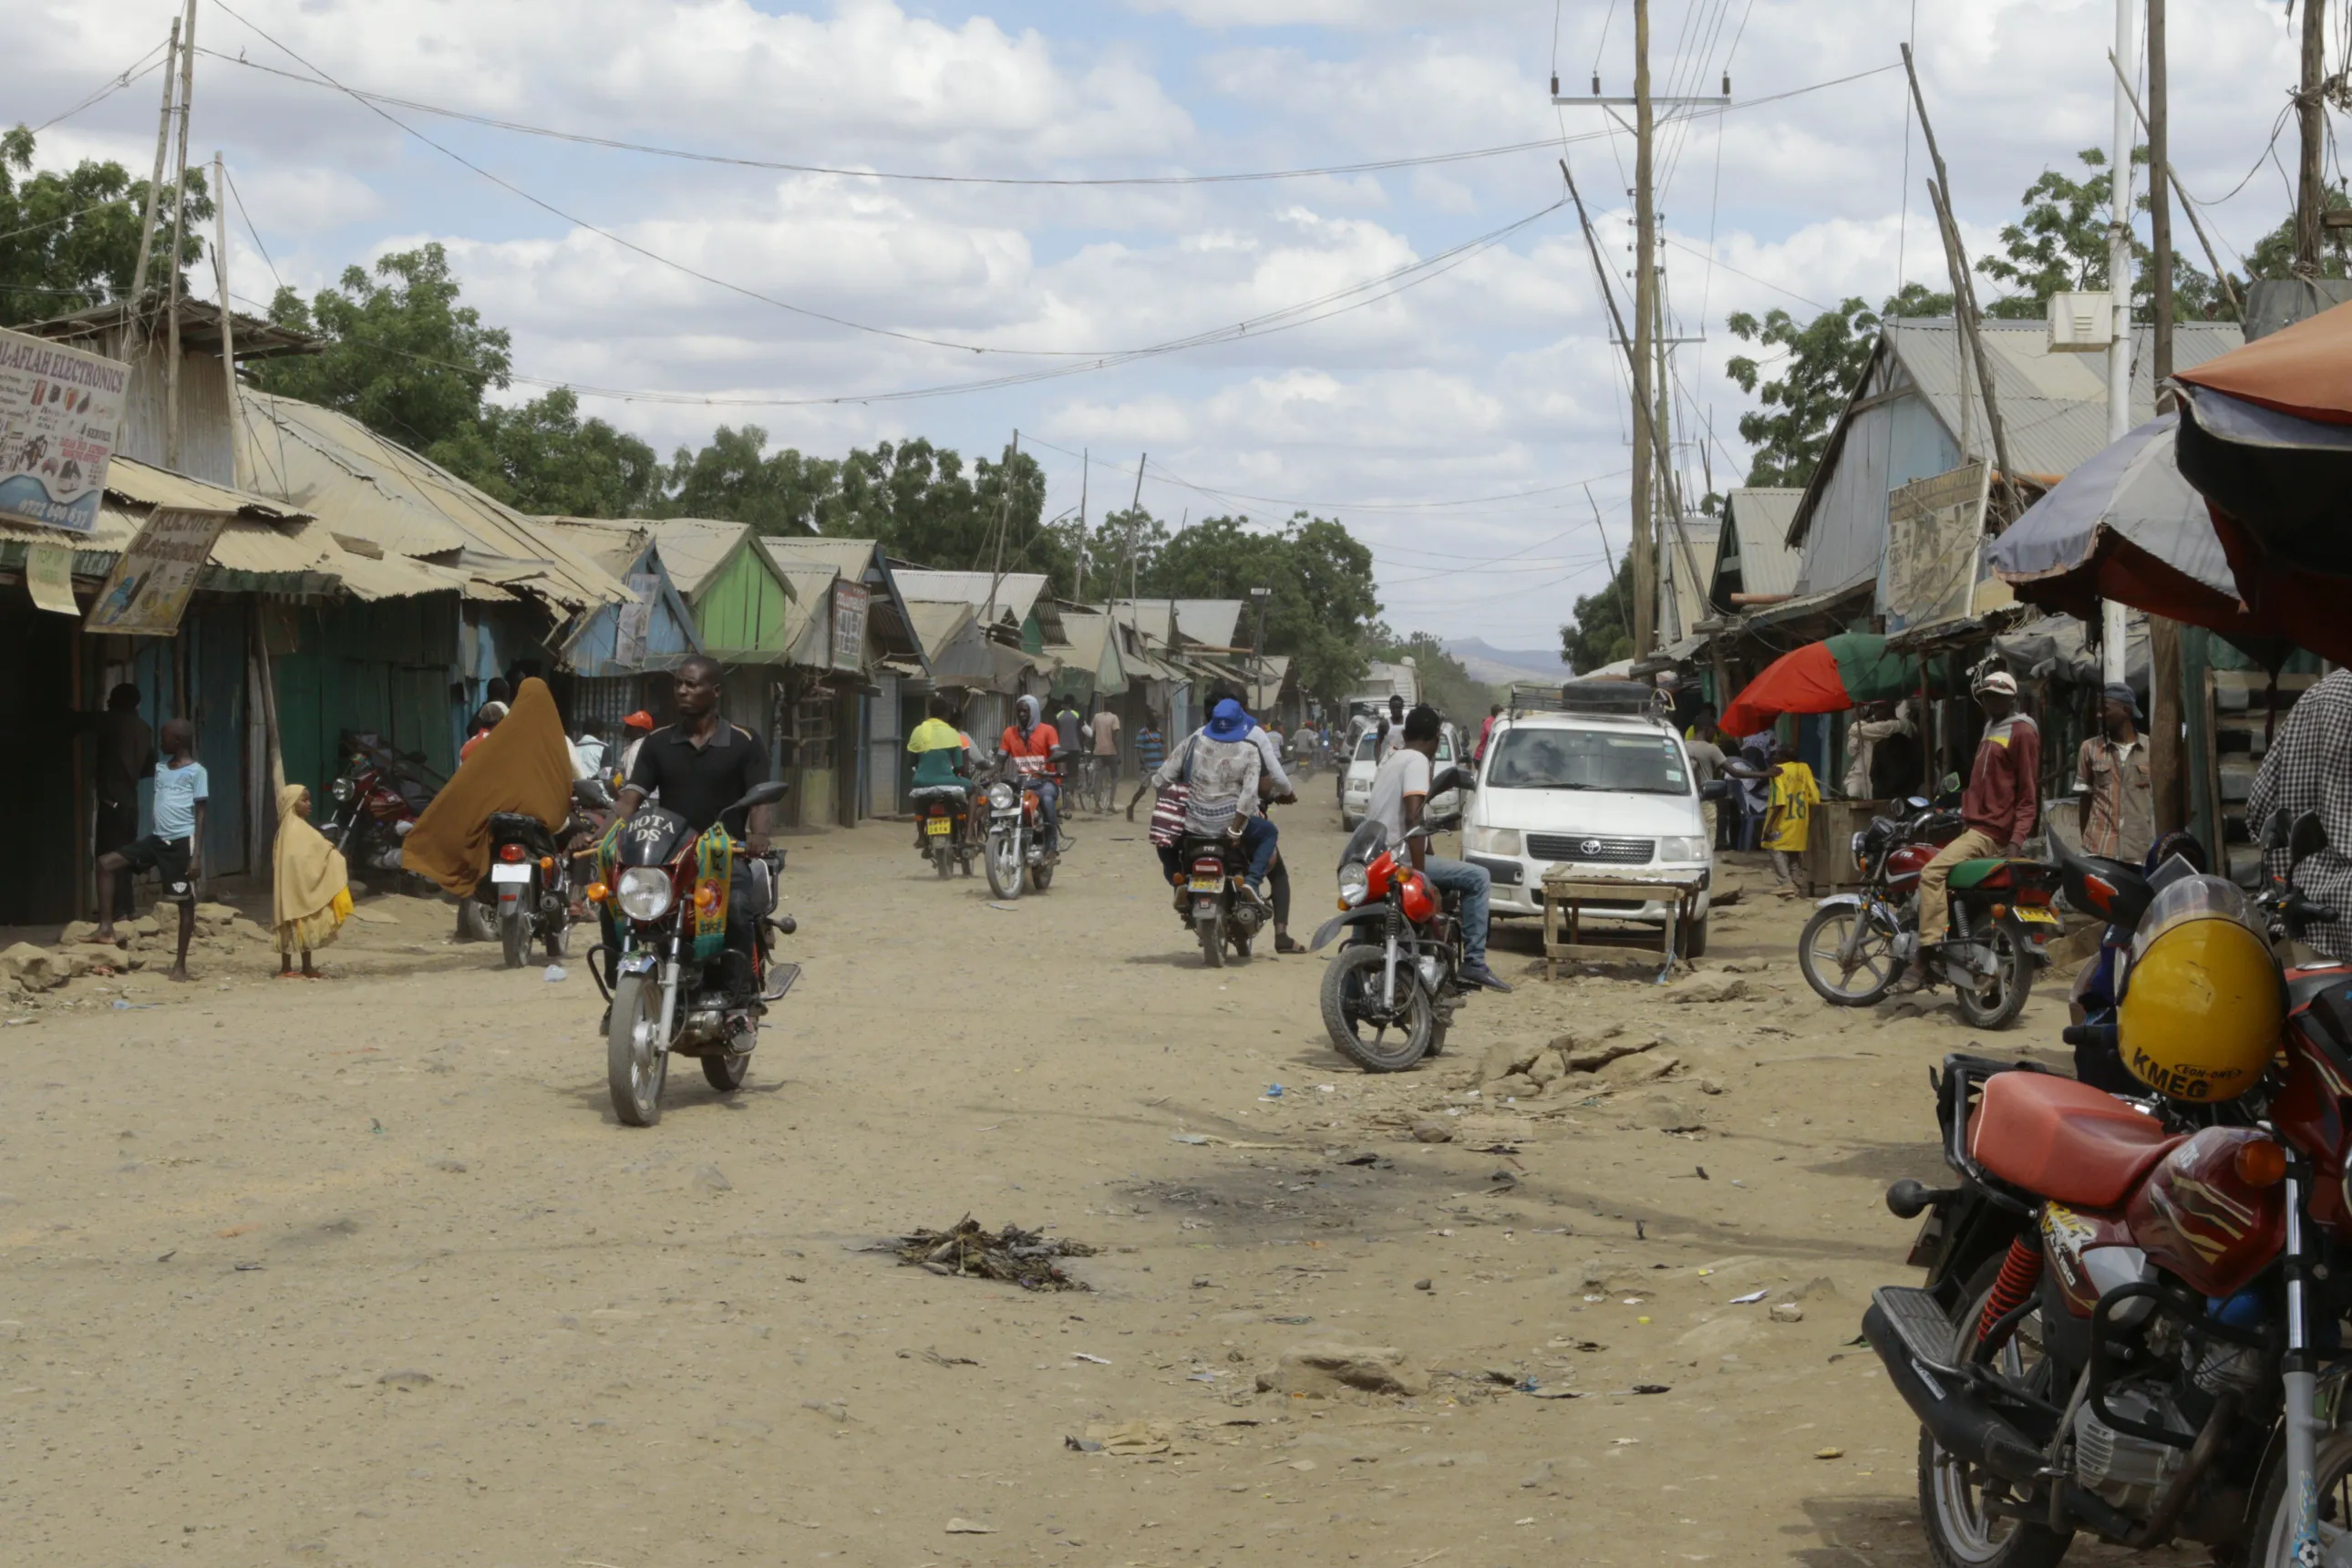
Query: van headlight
x: 1503, y: 841
x: 644, y: 892
x: 1682, y: 849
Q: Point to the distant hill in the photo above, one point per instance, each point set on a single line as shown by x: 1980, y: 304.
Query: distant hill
x: 1492, y: 666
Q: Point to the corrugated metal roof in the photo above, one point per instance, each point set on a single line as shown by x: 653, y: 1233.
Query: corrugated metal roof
x: 1208, y: 622
x: 847, y: 557
x: 1015, y: 593
x: 611, y: 543
x: 360, y: 484
x: 1687, y: 605
x: 694, y: 547
x: 1758, y: 537
x: 808, y: 620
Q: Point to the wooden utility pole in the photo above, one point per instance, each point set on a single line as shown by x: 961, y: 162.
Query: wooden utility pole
x: 155, y: 181
x: 1135, y: 526
x: 1086, y: 473
x: 1644, y: 547
x: 2165, y: 777
x: 1004, y: 526
x: 179, y: 226
x: 2311, y: 115
x: 227, y: 326
x: 2159, y: 200
x: 2188, y: 208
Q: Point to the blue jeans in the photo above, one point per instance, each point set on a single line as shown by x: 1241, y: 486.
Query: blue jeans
x: 1472, y: 882
x: 1259, y: 837
x: 1049, y: 802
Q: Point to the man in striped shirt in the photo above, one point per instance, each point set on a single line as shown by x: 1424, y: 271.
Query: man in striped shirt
x: 1150, y: 751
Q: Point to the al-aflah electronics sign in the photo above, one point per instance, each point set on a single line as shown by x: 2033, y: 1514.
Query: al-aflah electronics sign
x: 60, y: 414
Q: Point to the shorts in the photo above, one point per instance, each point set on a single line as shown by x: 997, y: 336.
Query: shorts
x: 167, y: 858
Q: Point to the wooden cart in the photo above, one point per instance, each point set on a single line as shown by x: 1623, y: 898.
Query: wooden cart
x: 1565, y: 890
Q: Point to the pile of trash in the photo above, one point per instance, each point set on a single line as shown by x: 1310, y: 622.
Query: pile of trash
x: 1016, y: 1257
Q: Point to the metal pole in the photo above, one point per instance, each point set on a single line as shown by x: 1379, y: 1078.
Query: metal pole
x: 2163, y: 634
x: 179, y: 226
x: 2311, y: 115
x: 1646, y: 282
x: 2119, y: 293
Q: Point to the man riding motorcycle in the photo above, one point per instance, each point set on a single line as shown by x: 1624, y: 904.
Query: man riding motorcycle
x: 942, y: 760
x: 701, y: 765
x: 1220, y: 765
x: 1031, y: 742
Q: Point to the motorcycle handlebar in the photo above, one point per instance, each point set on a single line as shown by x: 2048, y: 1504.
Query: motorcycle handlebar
x: 2096, y: 1036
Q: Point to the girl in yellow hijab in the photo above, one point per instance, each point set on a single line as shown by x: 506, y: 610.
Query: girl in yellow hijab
x: 311, y: 897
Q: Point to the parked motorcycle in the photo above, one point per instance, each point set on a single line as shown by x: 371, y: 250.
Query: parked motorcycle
x: 946, y: 818
x: 528, y: 895
x: 1217, y: 901
x: 1390, y: 995
x: 2127, y: 1300
x: 1856, y: 945
x: 1014, y: 855
x: 670, y: 991
x: 378, y: 797
x: 2119, y: 894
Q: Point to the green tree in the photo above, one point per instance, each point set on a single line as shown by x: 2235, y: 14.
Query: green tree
x: 71, y: 241
x: 1446, y: 684
x: 543, y: 457
x: 2274, y: 254
x: 2059, y: 243
x: 1324, y: 604
x: 735, y: 476
x: 401, y: 355
x: 1596, y: 633
x: 1822, y: 362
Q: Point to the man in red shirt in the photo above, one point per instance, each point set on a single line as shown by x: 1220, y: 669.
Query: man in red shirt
x: 1998, y: 810
x: 1030, y: 744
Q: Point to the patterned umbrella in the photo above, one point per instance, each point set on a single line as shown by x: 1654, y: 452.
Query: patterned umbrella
x: 1826, y: 676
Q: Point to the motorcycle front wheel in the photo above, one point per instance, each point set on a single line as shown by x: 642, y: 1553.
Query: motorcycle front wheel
x: 1962, y: 1531
x: 637, y: 1060
x: 1995, y: 1003
x: 1006, y: 875
x: 726, y: 1070
x: 1374, y: 1038
x: 1821, y: 949
x: 1041, y: 876
x: 2331, y: 1467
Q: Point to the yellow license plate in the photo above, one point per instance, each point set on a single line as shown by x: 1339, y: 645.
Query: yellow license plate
x: 1208, y: 885
x: 2037, y: 916
x: 938, y: 826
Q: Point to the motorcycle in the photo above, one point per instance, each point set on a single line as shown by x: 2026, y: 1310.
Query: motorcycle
x: 1012, y: 855
x: 1217, y: 901
x: 2117, y: 893
x: 946, y: 818
x: 527, y: 896
x: 1390, y: 995
x: 1856, y: 945
x: 2126, y: 1302
x: 378, y: 797
x: 664, y: 998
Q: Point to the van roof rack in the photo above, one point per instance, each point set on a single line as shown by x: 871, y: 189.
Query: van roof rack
x: 1613, y: 699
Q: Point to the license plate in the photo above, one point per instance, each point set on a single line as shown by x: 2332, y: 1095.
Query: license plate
x: 503, y: 873
x: 938, y: 826
x: 1207, y: 885
x: 2036, y: 917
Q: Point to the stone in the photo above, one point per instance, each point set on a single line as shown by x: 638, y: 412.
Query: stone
x: 712, y: 1179
x: 1592, y: 1056
x: 39, y: 969
x: 1627, y: 1071
x: 145, y: 925
x: 211, y: 914
x: 1788, y: 1312
x: 77, y: 931
x: 1666, y: 1112
x: 407, y: 1381
x: 1422, y: 1131
x: 1816, y: 1289
x: 1323, y: 1371
x: 1505, y: 1058
x: 1548, y: 1069
x: 1710, y: 988
x: 1519, y: 1086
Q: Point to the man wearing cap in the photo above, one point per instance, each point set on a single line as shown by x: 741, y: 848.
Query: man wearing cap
x: 1998, y: 810
x: 636, y: 727
x: 2112, y: 775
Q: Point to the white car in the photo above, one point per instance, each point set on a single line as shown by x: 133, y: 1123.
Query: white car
x: 1610, y: 794
x: 1356, y: 784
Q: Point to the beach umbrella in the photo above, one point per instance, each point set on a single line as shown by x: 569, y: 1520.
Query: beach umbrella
x: 1825, y: 677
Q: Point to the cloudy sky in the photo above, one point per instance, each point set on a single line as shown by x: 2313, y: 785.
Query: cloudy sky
x: 1413, y: 363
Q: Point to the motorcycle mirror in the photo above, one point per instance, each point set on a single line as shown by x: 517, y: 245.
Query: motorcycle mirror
x: 763, y: 794
x: 2273, y: 834
x: 592, y: 792
x: 2308, y: 837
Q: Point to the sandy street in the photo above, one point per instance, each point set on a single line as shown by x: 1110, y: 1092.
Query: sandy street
x: 366, y: 1272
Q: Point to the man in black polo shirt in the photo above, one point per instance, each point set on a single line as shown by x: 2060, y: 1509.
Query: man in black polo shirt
x: 702, y: 765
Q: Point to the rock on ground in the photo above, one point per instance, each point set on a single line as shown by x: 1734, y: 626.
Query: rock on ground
x: 1324, y: 1371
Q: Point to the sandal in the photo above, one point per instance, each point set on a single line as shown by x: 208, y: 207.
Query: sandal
x: 1285, y: 942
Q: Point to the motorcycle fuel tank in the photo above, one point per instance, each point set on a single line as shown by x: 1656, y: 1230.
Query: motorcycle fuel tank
x: 2199, y: 1217
x: 1903, y: 866
x: 652, y: 836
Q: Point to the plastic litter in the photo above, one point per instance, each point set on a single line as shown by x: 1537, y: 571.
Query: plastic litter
x: 1752, y: 1297
x: 555, y: 973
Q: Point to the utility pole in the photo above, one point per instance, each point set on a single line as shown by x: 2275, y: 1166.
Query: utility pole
x: 1086, y: 472
x: 1135, y: 528
x: 179, y: 226
x: 2163, y: 634
x: 1645, y: 348
x: 2171, y: 176
x: 2310, y: 116
x: 227, y: 326
x: 1004, y: 526
x: 155, y: 181
x: 2119, y: 292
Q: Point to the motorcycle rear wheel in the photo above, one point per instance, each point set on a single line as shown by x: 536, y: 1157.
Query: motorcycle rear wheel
x: 942, y: 858
x: 637, y: 1064
x: 514, y: 936
x: 1351, y: 1015
x: 1875, y: 969
x: 1211, y: 930
x: 1998, y: 1002
x: 1006, y: 875
x: 1960, y: 1532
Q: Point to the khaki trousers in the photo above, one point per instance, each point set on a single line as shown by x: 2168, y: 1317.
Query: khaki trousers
x: 1935, y: 913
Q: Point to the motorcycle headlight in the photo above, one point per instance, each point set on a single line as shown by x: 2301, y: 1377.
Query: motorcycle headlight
x: 1680, y: 850
x: 1491, y: 841
x: 999, y: 796
x: 1352, y: 887
x: 644, y: 892
x: 341, y: 789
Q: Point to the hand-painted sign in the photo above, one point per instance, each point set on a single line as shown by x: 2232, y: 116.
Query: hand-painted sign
x: 60, y: 414
x: 850, y: 603
x: 149, y: 588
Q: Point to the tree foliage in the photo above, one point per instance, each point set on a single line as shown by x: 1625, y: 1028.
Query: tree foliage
x: 1446, y: 684
x: 1597, y: 632
x: 2060, y: 244
x: 543, y: 457
x: 1821, y: 361
x: 71, y: 241
x: 1324, y: 602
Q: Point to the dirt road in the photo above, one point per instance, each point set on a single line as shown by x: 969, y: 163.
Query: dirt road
x: 364, y: 1271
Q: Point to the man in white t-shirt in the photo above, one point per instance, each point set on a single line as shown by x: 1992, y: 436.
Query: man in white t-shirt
x: 1400, y: 793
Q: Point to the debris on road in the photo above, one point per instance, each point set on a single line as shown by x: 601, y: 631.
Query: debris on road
x: 1324, y: 1371
x: 1014, y: 1255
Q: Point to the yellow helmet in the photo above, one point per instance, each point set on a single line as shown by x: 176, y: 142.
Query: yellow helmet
x: 2204, y: 1002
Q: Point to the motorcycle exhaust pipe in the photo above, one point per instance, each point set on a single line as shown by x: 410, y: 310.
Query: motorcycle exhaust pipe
x: 1960, y: 1424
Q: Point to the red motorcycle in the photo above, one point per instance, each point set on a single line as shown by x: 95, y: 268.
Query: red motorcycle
x: 379, y: 795
x: 2128, y: 1301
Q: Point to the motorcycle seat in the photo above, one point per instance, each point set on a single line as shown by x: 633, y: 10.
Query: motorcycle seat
x: 940, y: 791
x: 1968, y: 873
x: 2064, y: 1140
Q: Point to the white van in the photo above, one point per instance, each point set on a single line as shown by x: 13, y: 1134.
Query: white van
x: 1610, y: 791
x: 1356, y: 779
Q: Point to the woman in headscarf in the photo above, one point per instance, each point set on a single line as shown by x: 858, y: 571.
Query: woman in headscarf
x: 311, y: 895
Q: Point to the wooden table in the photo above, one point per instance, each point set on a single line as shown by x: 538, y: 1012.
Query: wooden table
x: 1564, y: 888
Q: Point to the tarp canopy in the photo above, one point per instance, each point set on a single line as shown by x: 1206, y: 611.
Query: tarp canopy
x: 2124, y: 526
x: 1825, y: 677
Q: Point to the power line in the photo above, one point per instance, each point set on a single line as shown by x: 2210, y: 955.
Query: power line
x: 1736, y: 272
x: 112, y: 85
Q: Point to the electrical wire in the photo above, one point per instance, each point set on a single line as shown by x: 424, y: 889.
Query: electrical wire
x: 1776, y: 287
x: 130, y: 73
x: 238, y: 197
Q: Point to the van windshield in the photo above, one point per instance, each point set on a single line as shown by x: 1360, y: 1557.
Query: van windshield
x: 1368, y: 745
x: 1588, y: 760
